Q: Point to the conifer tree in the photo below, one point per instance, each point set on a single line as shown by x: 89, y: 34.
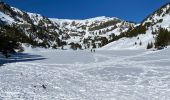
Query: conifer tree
x: 163, y: 38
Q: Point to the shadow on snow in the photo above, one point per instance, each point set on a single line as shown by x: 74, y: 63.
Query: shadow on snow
x: 20, y: 57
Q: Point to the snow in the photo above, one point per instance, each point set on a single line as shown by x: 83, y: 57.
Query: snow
x: 129, y: 43
x: 120, y: 70
x: 35, y: 17
x: 68, y: 26
x: 17, y: 10
x: 82, y: 75
x: 89, y: 21
x: 81, y: 28
x: 148, y: 37
x: 6, y: 18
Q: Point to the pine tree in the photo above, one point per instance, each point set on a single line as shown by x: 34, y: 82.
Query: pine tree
x: 150, y: 45
x: 104, y: 41
x: 94, y: 45
x: 163, y: 38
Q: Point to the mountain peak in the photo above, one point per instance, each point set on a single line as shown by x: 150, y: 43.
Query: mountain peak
x: 3, y: 6
x: 159, y: 13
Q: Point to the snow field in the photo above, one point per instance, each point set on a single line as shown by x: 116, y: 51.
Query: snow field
x: 81, y: 75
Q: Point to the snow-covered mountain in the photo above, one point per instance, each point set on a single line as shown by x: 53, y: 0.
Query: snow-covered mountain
x: 91, y: 32
x: 140, y: 40
x: 42, y: 31
x: 88, y: 33
x: 52, y: 32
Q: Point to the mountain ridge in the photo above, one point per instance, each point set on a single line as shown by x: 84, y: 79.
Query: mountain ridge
x: 152, y: 25
x: 83, y: 34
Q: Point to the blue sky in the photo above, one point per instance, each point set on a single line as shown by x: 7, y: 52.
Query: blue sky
x: 131, y: 10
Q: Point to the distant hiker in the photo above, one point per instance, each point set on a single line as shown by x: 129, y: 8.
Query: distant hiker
x: 44, y: 87
x: 94, y: 50
x: 91, y: 50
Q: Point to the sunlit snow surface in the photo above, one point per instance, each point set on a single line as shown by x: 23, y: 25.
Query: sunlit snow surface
x: 82, y: 75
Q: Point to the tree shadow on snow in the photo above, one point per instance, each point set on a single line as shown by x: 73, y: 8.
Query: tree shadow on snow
x: 20, y: 57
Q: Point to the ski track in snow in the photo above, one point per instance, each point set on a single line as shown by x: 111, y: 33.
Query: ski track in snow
x: 109, y: 75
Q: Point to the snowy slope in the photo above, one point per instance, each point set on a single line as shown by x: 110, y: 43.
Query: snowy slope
x: 160, y: 18
x: 81, y: 75
x: 129, y: 43
x: 5, y: 18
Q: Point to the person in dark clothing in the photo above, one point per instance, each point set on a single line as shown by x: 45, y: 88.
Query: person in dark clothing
x: 94, y: 50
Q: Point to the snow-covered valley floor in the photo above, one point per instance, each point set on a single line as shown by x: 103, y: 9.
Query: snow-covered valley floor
x: 82, y: 75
